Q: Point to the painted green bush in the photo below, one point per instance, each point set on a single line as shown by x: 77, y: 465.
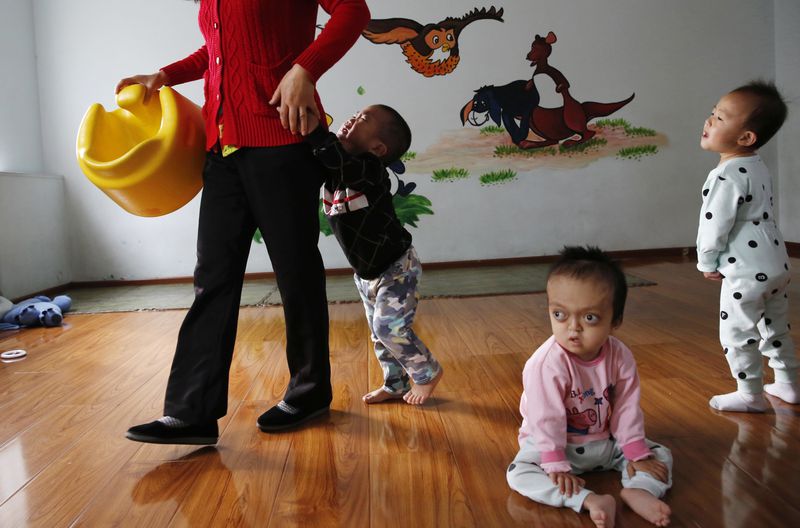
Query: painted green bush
x: 492, y: 129
x: 324, y: 226
x: 410, y: 155
x: 637, y: 152
x: 409, y: 208
x: 451, y: 174
x: 497, y: 177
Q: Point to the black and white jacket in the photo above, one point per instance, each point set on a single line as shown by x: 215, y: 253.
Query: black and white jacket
x: 357, y: 201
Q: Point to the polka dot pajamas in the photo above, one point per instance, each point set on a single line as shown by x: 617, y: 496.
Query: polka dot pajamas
x: 738, y: 237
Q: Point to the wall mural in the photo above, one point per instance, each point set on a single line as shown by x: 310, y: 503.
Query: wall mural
x: 504, y: 129
x: 507, y: 131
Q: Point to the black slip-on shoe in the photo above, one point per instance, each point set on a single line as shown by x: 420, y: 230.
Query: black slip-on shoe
x: 284, y: 416
x: 158, y: 433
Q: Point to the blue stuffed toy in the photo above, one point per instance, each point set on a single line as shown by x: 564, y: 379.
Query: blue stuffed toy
x: 37, y: 311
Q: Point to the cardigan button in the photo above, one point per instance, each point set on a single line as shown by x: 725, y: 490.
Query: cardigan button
x: 215, y: 25
x: 217, y: 60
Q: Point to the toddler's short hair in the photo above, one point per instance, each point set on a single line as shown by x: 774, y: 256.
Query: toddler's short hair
x: 394, y: 133
x: 769, y: 113
x: 591, y: 263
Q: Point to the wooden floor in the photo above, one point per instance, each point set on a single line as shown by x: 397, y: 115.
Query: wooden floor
x: 63, y: 411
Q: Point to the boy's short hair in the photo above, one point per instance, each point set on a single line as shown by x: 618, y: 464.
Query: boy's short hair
x: 395, y: 134
x: 591, y: 263
x: 769, y: 112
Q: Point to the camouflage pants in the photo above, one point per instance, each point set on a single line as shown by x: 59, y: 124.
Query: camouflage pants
x: 390, y: 302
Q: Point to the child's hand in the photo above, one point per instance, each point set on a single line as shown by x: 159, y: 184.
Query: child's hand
x: 650, y: 465
x: 567, y: 483
x: 313, y: 122
x: 713, y: 275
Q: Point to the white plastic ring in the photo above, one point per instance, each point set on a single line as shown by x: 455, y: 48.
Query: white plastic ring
x: 13, y: 354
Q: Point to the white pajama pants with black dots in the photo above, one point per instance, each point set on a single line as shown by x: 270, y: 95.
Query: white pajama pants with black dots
x: 526, y: 476
x: 754, y: 322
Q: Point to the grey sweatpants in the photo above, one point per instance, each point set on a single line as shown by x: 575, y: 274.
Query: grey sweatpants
x: 390, y: 302
x: 527, y: 477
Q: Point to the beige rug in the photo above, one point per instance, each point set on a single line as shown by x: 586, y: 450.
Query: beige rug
x: 462, y: 282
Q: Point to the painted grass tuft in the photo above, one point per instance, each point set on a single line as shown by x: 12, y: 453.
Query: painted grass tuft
x: 612, y: 123
x: 497, y: 177
x: 513, y: 150
x: 410, y: 155
x: 593, y: 143
x: 640, y: 132
x: 631, y: 131
x: 637, y: 152
x: 451, y: 174
x: 492, y: 129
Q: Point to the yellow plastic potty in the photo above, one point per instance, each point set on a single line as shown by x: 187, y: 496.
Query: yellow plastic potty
x: 147, y: 157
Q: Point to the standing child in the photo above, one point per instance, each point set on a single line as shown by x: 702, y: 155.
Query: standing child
x: 580, y: 401
x: 739, y: 244
x: 358, y: 204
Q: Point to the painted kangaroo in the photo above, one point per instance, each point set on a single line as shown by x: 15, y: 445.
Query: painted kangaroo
x: 575, y: 115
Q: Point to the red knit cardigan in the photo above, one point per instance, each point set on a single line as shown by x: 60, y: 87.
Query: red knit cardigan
x: 249, y: 46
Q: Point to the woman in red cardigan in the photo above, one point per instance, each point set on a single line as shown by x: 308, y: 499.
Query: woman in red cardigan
x: 259, y: 64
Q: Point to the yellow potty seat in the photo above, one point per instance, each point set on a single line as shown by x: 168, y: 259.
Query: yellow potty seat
x: 147, y: 157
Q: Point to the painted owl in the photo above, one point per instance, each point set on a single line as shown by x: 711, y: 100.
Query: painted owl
x: 431, y: 49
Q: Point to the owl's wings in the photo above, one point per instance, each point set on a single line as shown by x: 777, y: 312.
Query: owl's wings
x: 460, y: 23
x: 391, y: 30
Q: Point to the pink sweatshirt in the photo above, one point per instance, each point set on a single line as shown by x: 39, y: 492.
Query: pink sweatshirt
x: 568, y: 400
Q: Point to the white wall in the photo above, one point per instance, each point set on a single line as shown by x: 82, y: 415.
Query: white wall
x: 20, y: 134
x: 33, y: 247
x: 678, y: 57
x: 34, y: 251
x: 787, y: 42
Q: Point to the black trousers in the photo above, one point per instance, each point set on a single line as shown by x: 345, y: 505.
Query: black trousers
x: 277, y: 190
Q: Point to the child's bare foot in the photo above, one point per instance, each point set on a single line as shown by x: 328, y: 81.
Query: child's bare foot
x: 602, y: 509
x: 380, y: 395
x: 647, y: 506
x: 419, y: 393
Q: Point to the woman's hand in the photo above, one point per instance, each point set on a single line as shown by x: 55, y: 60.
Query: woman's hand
x: 713, y: 275
x: 568, y: 484
x: 151, y: 83
x: 294, y: 97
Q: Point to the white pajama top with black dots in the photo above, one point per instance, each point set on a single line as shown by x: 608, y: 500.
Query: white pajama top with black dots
x: 737, y: 234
